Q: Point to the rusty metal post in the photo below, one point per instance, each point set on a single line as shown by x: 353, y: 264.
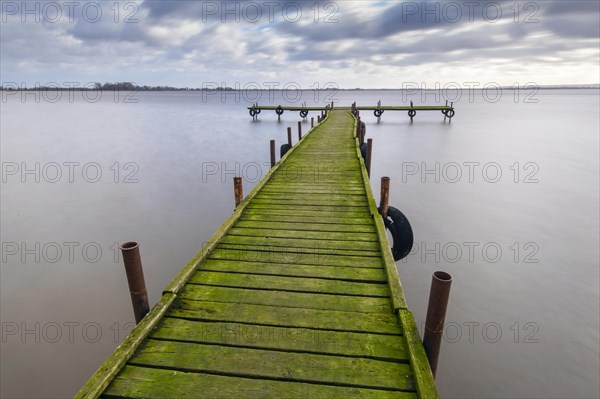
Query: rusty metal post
x: 369, y: 153
x: 436, y: 314
x: 238, y: 190
x: 272, y: 153
x: 385, y: 196
x: 289, y: 132
x: 135, y: 279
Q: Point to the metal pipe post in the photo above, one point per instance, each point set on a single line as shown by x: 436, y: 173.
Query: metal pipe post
x: 135, y: 279
x: 436, y: 314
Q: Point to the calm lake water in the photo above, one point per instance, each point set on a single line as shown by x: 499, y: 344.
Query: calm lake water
x: 505, y: 199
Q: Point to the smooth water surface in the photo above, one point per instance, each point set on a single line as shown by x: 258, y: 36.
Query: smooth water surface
x: 505, y: 199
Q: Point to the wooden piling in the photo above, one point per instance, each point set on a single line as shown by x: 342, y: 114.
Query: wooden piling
x: 369, y: 154
x: 135, y: 279
x: 312, y: 122
x: 272, y: 153
x: 289, y: 132
x: 436, y: 314
x: 238, y: 190
x: 299, y: 130
x: 445, y: 112
x: 385, y: 195
x: 363, y: 132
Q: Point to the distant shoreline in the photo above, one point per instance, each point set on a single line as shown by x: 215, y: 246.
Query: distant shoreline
x: 229, y: 89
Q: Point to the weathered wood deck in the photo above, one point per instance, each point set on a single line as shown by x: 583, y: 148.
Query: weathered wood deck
x: 296, y: 296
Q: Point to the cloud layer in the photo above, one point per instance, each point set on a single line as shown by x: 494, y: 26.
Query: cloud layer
x: 351, y: 43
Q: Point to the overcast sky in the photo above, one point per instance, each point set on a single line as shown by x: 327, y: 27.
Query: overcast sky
x: 370, y: 44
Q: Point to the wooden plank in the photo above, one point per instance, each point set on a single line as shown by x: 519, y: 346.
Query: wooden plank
x: 398, y: 300
x: 325, y: 272
x: 316, y: 235
x: 324, y: 257
x: 325, y: 211
x: 323, y: 247
x: 418, y: 359
x: 312, y: 219
x: 316, y: 227
x: 294, y: 284
x: 291, y: 244
x: 301, y: 340
x: 278, y: 365
x: 293, y: 200
x: 151, y: 383
x: 335, y: 320
x: 347, y: 303
x: 107, y: 372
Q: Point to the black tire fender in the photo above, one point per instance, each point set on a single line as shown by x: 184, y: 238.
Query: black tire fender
x: 401, y: 231
x: 284, y: 149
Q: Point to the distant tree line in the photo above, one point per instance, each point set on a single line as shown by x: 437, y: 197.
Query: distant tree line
x: 117, y: 86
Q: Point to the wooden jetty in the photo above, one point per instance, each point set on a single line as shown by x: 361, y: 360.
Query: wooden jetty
x: 447, y: 110
x: 296, y: 296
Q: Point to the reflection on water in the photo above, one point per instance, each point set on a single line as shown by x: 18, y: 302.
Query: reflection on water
x: 505, y: 198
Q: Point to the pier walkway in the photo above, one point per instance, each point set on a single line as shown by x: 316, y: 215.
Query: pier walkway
x: 296, y: 296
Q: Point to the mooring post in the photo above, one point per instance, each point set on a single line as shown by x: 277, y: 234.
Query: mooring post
x: 363, y: 132
x: 318, y: 119
x: 135, y: 279
x: 446, y: 112
x: 385, y: 196
x: 436, y: 314
x: 299, y: 130
x: 363, y: 128
x: 369, y: 153
x: 358, y: 128
x: 272, y: 153
x: 312, y: 122
x: 289, y: 132
x: 238, y: 190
